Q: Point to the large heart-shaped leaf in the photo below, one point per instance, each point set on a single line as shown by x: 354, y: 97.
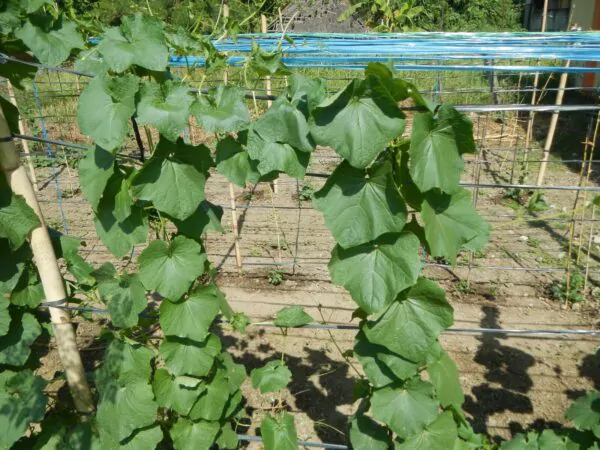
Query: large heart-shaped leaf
x: 407, y: 409
x: 206, y: 218
x: 437, y: 143
x: 17, y: 219
x: 105, y: 107
x: 188, y: 435
x: 223, y: 109
x: 29, y: 291
x: 357, y: 123
x: 126, y: 298
x: 279, y: 432
x: 276, y: 157
x: 165, y: 106
x: 441, y: 433
x: 451, y: 222
x: 187, y: 357
x: 292, y: 316
x: 22, y: 401
x: 175, y: 392
x: 213, y: 400
x: 13, y: 264
x: 170, y: 268
x: 190, y: 318
x: 4, y: 316
x: 412, y: 323
x: 361, y: 205
x: 585, y: 413
x: 95, y: 169
x: 272, y: 377
x: 51, y: 41
x: 124, y: 408
x: 285, y: 124
x: 375, y: 273
x: 173, y: 178
x: 124, y: 363
x: 235, y: 164
x: 381, y: 366
x: 15, y: 346
x: 366, y: 434
x: 444, y: 376
x: 119, y: 234
x: 140, y: 40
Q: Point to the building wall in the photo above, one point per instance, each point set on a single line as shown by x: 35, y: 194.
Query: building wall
x: 583, y: 13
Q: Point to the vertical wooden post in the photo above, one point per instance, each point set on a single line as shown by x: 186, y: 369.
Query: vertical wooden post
x: 45, y: 260
x: 24, y: 143
x: 263, y: 29
x: 536, y: 80
x: 234, y: 222
x: 553, y: 121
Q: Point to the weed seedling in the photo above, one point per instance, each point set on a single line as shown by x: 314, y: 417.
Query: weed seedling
x: 275, y: 277
x: 574, y: 292
x: 306, y: 193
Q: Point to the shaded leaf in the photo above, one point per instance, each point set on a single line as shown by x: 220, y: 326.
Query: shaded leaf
x: 206, y: 218
x: 15, y: 345
x: 234, y: 163
x: 171, y: 392
x: 22, y: 401
x: 188, y: 435
x: 366, y: 434
x: 381, y: 366
x: 126, y: 298
x: 173, y: 178
x: 95, y: 169
x: 17, y: 219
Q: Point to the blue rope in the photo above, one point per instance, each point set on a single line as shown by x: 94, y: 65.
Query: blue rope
x: 38, y: 105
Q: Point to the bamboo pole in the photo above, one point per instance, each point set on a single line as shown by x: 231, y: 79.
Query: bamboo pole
x: 24, y: 143
x: 234, y: 222
x: 553, y: 121
x: 536, y: 80
x: 263, y: 29
x: 49, y: 272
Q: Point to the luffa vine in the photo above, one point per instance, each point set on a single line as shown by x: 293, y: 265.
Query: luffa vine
x: 390, y: 198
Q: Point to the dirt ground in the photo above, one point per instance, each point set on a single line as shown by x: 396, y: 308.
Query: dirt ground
x: 511, y: 383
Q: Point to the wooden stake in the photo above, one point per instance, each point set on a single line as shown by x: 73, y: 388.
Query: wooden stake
x: 234, y: 223
x: 49, y: 272
x: 536, y: 80
x: 263, y: 28
x: 24, y: 143
x: 553, y: 121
